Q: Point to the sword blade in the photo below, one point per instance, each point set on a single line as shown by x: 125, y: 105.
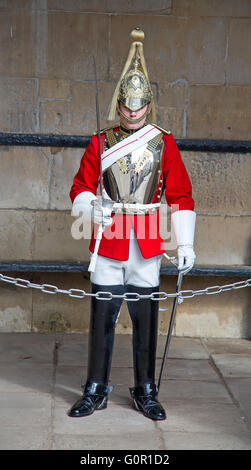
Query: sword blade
x: 170, y: 329
x: 92, y: 263
x: 98, y: 126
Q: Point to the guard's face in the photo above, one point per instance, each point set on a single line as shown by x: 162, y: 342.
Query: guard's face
x: 133, y: 115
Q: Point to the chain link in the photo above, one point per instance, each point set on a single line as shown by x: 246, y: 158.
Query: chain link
x: 128, y: 296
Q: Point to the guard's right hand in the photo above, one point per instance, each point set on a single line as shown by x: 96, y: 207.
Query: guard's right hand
x: 101, y: 214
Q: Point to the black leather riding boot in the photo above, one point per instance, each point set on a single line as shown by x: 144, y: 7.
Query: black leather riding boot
x: 94, y: 398
x: 104, y: 314
x: 145, y: 400
x: 144, y: 316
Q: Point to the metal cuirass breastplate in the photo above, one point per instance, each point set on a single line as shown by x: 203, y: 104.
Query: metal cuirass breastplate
x: 134, y: 177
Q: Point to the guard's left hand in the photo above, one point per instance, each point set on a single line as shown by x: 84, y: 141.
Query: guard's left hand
x: 186, y: 258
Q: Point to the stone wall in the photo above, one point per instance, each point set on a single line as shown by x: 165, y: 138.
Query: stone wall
x: 197, y: 53
x: 198, y: 59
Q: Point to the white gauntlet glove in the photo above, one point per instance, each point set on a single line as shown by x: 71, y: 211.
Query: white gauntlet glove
x: 184, y: 227
x: 91, y: 209
x: 186, y: 257
x: 82, y: 210
x: 88, y: 209
x: 82, y: 205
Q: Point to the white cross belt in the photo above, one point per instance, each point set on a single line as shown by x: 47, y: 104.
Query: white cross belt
x: 128, y: 145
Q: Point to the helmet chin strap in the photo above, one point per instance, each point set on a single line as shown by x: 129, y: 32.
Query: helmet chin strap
x: 130, y: 120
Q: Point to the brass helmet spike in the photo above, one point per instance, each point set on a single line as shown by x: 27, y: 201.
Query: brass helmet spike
x: 137, y: 35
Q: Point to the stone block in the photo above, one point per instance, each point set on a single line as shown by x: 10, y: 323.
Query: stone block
x: 175, y: 48
x: 222, y: 240
x: 24, y: 177
x: 16, y: 234
x: 219, y: 240
x: 182, y: 348
x: 239, y: 51
x: 206, y: 441
x: 73, y: 349
x: 219, y: 112
x: 54, y: 88
x: 193, y: 391
x: 18, y: 34
x: 203, y: 417
x: 240, y: 388
x: 216, y: 182
x: 26, y: 438
x: 84, y: 105
x: 109, y: 440
x: 77, y: 116
x: 35, y: 348
x: 172, y: 119
x: 16, y: 309
x: 15, y: 4
x: 171, y: 103
x: 66, y: 163
x: 68, y: 383
x: 221, y: 346
x: 53, y: 239
x: 72, y: 40
x: 19, y: 110
x: 145, y: 7
x: 53, y: 44
x: 120, y: 395
x: 173, y: 95
x: 123, y: 376
x: 213, y: 8
x: 217, y: 316
x: 56, y: 117
x: 23, y: 408
x: 233, y: 365
x: 61, y: 313
x: 194, y: 370
x: 25, y: 376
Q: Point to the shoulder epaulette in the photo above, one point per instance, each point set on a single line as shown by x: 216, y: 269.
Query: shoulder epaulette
x: 106, y: 129
x: 161, y: 129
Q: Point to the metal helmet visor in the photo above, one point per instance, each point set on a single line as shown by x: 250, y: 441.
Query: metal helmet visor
x: 134, y: 104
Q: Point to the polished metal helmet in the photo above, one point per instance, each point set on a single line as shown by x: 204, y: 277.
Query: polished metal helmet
x: 133, y: 88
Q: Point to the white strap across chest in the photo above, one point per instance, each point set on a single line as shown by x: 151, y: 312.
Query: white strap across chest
x: 128, y: 145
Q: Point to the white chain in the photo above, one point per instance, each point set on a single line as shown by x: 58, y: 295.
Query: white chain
x: 130, y: 296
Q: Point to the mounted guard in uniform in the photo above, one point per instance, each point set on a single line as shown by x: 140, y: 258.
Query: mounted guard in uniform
x: 136, y: 163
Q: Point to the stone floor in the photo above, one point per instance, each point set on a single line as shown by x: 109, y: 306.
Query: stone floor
x: 206, y: 391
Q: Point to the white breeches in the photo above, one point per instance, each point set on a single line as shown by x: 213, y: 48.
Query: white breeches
x: 136, y: 271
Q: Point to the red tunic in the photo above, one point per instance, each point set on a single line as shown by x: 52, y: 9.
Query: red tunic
x: 115, y: 239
